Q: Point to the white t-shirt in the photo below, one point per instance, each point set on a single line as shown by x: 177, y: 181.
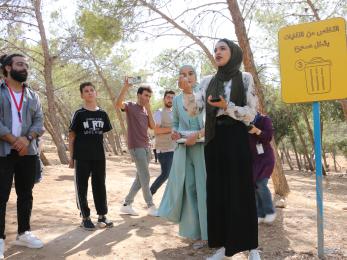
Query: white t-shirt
x: 16, y: 124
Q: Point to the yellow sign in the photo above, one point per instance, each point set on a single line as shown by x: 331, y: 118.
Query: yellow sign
x: 313, y: 61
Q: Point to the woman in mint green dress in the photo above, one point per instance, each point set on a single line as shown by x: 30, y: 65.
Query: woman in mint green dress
x: 184, y: 200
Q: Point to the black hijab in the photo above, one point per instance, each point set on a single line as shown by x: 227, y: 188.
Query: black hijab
x: 230, y: 71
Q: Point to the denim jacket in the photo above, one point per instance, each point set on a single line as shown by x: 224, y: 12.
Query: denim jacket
x: 32, y: 117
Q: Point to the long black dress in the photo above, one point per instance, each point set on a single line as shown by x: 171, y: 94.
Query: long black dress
x: 231, y: 209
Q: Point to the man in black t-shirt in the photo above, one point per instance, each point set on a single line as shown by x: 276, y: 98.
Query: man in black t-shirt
x: 87, y: 156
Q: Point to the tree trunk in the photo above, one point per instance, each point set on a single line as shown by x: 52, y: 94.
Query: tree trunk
x: 118, y: 141
x: 344, y: 107
x: 106, y: 145
x: 47, y: 70
x: 122, y: 125
x: 44, y: 159
x: 278, y: 177
x: 49, y: 127
x: 310, y: 133
x: 334, y: 159
x: 308, y: 126
x: 111, y: 140
x: 63, y: 115
x: 326, y: 165
x: 289, y: 160
x: 64, y: 121
x: 302, y: 140
x: 282, y: 157
x: 282, y: 188
x: 324, y: 171
x: 302, y: 162
x: 306, y: 154
x: 307, y: 168
x: 292, y: 141
x: 288, y: 153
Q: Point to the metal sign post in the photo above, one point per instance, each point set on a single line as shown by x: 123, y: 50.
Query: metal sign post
x: 319, y: 190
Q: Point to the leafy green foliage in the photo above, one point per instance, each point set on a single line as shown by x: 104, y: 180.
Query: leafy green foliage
x: 98, y: 27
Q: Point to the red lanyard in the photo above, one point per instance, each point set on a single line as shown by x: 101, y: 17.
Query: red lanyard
x: 19, y: 107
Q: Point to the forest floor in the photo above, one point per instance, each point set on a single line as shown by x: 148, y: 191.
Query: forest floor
x: 55, y: 219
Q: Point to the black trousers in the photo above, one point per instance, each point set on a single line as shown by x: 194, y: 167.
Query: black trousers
x: 23, y: 169
x: 83, y: 170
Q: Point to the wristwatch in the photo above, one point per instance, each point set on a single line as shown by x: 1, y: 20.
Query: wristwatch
x: 29, y: 138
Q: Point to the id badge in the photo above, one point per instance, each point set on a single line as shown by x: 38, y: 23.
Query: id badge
x: 260, y: 148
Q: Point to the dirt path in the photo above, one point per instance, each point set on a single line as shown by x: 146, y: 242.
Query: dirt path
x: 55, y: 220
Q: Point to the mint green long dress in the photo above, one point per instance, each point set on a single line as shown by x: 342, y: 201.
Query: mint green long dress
x: 184, y: 200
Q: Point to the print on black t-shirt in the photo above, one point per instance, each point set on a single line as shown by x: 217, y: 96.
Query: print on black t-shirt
x: 89, y: 127
x: 93, y: 126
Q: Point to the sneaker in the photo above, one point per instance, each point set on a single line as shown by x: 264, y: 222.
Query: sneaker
x: 260, y: 220
x: 104, y: 222
x: 152, y: 211
x: 219, y: 255
x: 87, y: 224
x: 29, y: 240
x: 199, y: 244
x: 270, y: 218
x: 2, y: 248
x: 254, y: 255
x: 128, y: 210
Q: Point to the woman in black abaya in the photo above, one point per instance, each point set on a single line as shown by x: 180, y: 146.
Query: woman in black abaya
x: 231, y: 210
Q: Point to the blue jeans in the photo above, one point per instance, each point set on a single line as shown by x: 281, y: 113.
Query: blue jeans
x: 263, y: 198
x: 141, y: 158
x: 165, y: 160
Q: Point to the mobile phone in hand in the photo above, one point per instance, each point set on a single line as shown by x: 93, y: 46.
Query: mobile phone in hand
x: 215, y: 100
x: 134, y: 80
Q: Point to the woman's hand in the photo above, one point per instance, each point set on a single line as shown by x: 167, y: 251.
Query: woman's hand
x: 71, y: 163
x: 185, y: 85
x: 220, y: 104
x: 175, y: 136
x: 191, y: 139
x: 255, y: 130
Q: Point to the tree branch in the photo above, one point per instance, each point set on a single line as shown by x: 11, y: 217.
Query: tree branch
x: 314, y: 10
x: 180, y: 28
x: 19, y: 21
x: 196, y: 8
x: 23, y: 50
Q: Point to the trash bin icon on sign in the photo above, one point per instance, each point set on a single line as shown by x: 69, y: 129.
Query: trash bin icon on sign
x: 317, y: 75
